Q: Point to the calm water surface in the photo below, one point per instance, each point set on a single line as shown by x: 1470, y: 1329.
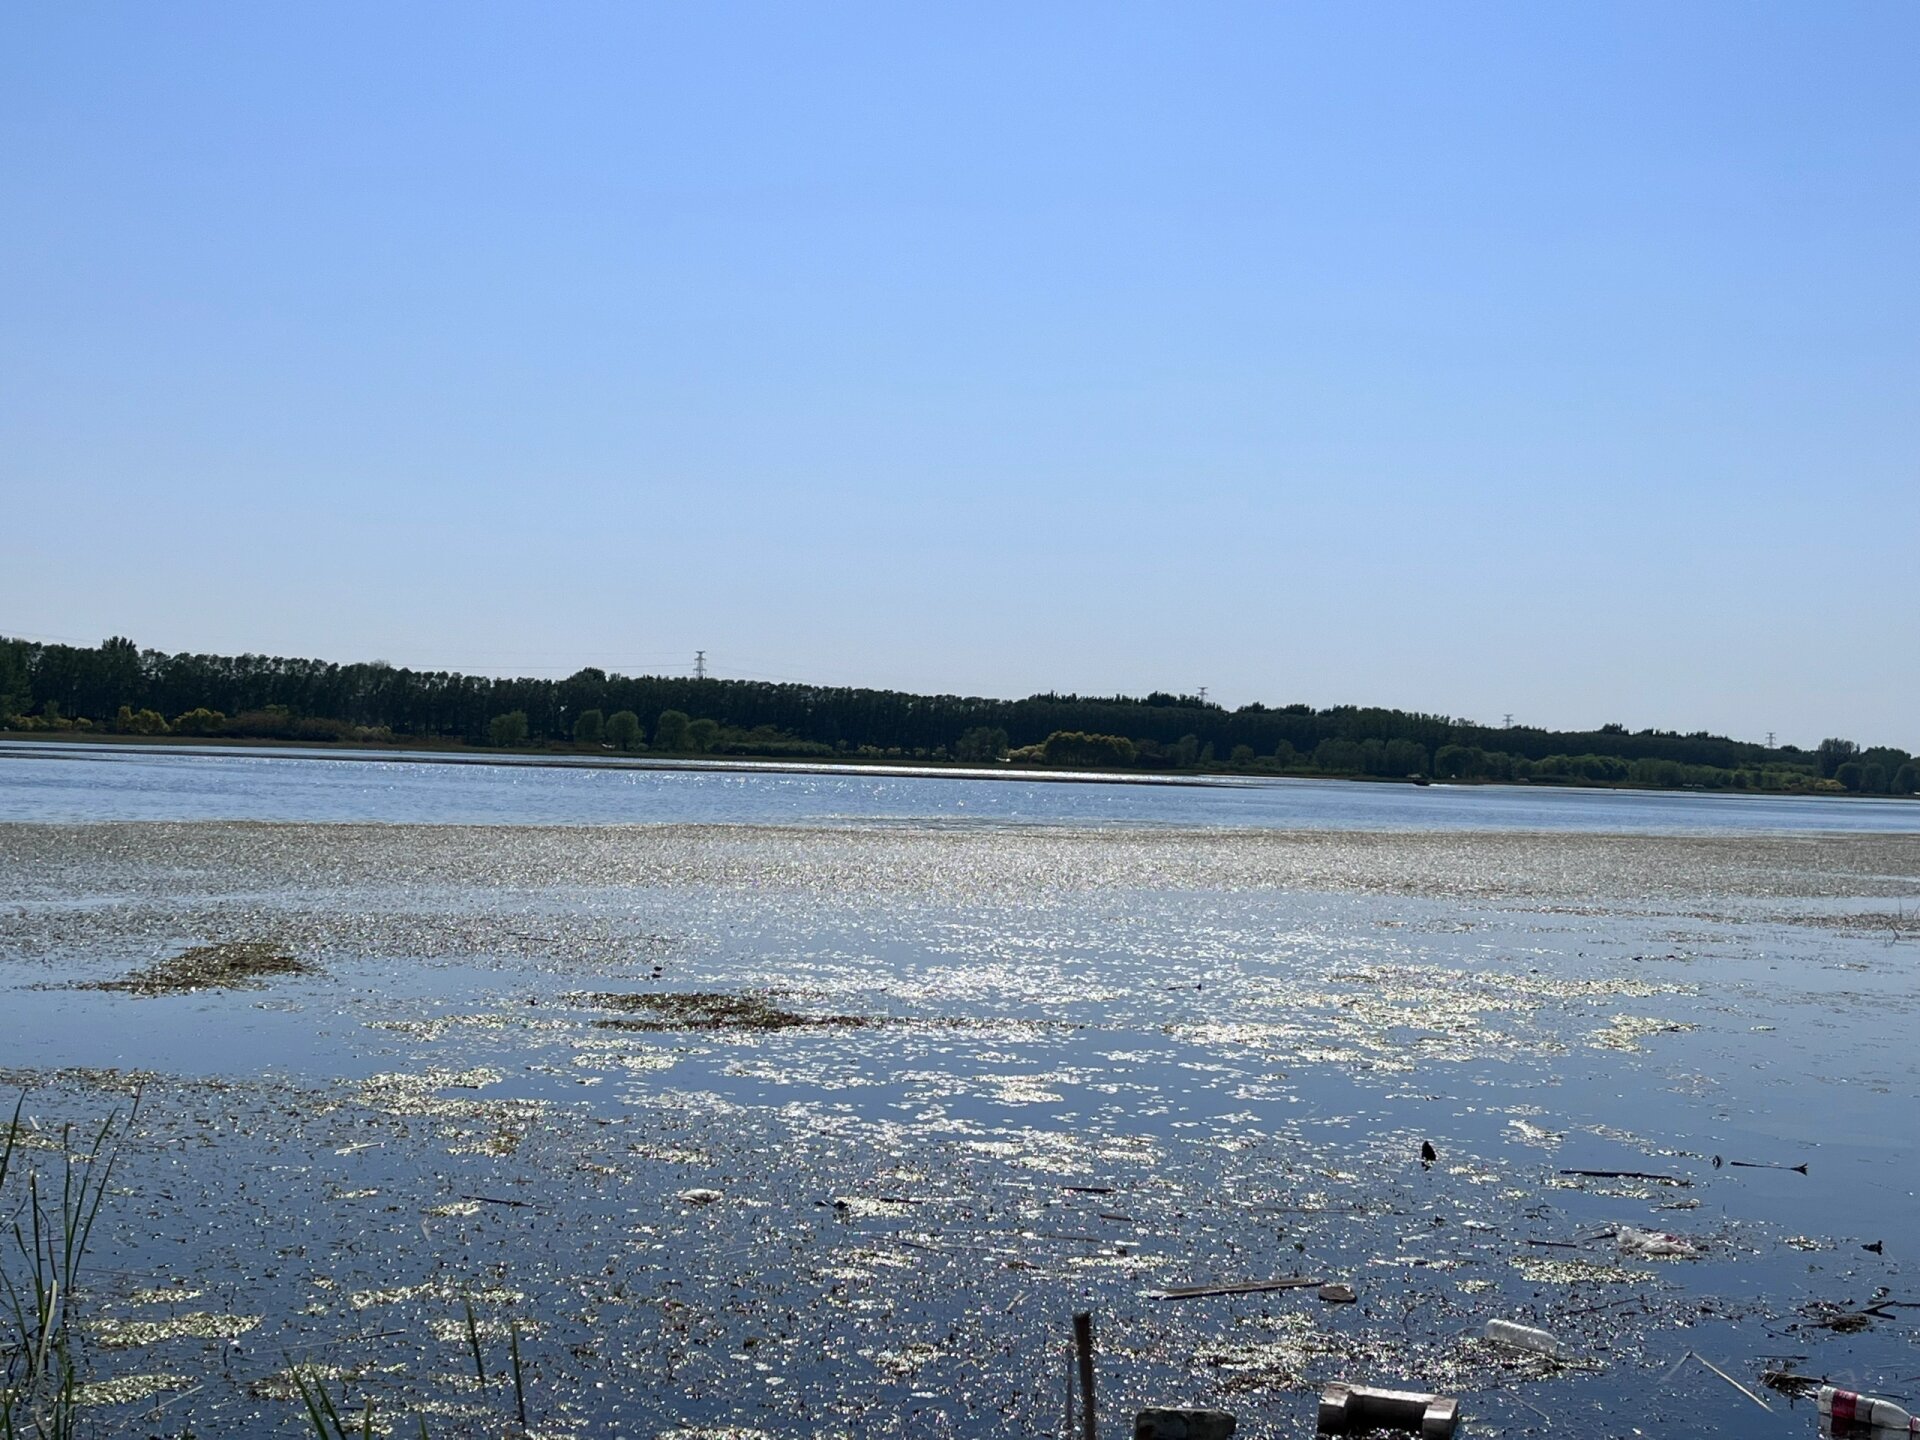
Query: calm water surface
x: 64, y: 783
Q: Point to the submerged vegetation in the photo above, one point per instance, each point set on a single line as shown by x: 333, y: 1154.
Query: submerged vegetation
x: 118, y: 688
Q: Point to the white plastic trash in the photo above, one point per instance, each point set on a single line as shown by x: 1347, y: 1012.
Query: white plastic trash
x: 1655, y: 1244
x: 1847, y: 1407
x: 1524, y: 1337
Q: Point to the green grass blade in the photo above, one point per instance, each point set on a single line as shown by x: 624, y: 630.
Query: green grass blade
x: 519, y: 1385
x: 473, y: 1342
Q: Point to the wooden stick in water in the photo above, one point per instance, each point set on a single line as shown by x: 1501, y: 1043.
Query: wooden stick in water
x: 1249, y: 1287
x: 1083, y: 1342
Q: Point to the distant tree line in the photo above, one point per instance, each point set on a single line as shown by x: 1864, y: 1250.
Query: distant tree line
x: 118, y: 687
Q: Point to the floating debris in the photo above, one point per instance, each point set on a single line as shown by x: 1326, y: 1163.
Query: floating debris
x: 1655, y: 1244
x: 1244, y: 1287
x: 1787, y: 1382
x: 1353, y: 1409
x: 1648, y: 1176
x: 1524, y: 1337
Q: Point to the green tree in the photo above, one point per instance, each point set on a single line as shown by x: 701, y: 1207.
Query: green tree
x: 1833, y: 753
x: 1241, y: 758
x: 1073, y: 747
x: 623, y: 729
x: 982, y: 742
x: 508, y: 729
x: 1339, y: 757
x: 15, y: 692
x: 1405, y: 757
x: 1852, y: 774
x: 200, y: 721
x: 590, y: 727
x: 702, y: 735
x: 670, y: 730
x: 1906, y: 780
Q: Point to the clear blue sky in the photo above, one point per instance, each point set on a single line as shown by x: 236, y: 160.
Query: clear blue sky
x: 1560, y: 359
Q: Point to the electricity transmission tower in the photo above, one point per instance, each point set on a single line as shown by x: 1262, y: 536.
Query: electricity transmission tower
x: 699, y: 664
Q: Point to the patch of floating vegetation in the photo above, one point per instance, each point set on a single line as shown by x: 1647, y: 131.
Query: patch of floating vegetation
x: 454, y: 1330
x: 194, y: 1325
x: 1280, y: 1361
x: 706, y: 1010
x: 440, y: 1026
x: 1625, y: 1032
x: 230, y: 965
x: 1899, y: 924
x: 126, y: 1389
x: 1543, y: 1270
x: 1528, y: 1133
x: 165, y: 1295
x: 398, y: 1092
x: 285, y: 1384
x: 435, y: 1290
x: 612, y: 1054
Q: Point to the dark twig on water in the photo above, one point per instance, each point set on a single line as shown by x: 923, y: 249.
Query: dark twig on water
x: 1630, y: 1175
x: 1250, y: 1287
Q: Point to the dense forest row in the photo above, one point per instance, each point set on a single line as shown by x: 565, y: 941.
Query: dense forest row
x: 117, y: 687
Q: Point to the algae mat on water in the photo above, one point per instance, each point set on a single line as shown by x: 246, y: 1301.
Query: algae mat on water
x: 230, y: 965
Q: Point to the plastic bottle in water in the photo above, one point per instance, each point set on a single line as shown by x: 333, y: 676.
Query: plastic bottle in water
x: 1845, y: 1407
x: 1524, y: 1337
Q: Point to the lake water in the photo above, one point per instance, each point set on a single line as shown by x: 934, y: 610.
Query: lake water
x: 957, y: 1058
x: 67, y: 783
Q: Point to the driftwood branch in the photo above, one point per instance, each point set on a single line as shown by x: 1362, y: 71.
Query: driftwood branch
x: 1249, y: 1287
